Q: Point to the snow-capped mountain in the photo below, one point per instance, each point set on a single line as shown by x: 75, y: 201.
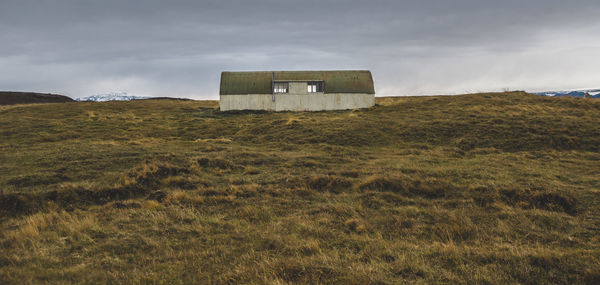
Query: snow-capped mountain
x: 117, y: 96
x: 594, y: 93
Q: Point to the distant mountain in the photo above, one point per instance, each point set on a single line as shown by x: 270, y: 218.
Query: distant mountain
x: 595, y: 93
x: 11, y: 98
x: 117, y: 96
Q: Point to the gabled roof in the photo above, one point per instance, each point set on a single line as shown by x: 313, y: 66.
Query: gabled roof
x: 259, y: 82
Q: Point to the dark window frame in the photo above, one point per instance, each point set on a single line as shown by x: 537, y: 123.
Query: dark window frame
x: 315, y: 86
x: 281, y: 87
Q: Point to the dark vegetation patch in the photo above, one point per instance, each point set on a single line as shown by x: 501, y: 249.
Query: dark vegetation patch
x: 136, y: 183
x: 219, y: 163
x: 551, y: 200
x: 157, y: 195
x: 14, y: 204
x: 526, y: 198
x: 435, y: 188
x: 292, y: 271
x: 350, y: 173
x: 377, y: 200
x: 127, y: 205
x: 254, y: 159
x: 330, y: 183
x: 430, y: 187
x: 150, y: 175
x: 11, y: 98
x: 38, y: 179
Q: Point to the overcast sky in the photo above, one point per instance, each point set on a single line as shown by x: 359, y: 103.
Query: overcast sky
x: 178, y: 48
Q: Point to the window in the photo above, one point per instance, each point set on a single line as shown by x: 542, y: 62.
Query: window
x: 280, y: 87
x: 315, y: 86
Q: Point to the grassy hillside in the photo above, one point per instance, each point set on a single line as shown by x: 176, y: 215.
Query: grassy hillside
x: 11, y: 98
x: 483, y: 188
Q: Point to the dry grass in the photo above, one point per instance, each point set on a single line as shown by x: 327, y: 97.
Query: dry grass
x: 484, y: 188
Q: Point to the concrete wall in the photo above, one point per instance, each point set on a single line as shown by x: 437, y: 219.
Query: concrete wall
x: 296, y: 102
x: 247, y: 102
x: 298, y: 88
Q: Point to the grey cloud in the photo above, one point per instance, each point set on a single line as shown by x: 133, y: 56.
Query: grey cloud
x: 178, y: 48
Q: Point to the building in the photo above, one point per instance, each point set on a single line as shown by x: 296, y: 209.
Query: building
x: 296, y: 90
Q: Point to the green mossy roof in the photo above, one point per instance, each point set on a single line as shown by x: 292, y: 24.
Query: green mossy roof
x: 259, y: 82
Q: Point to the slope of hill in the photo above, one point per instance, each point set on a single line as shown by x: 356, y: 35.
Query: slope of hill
x: 11, y: 98
x: 482, y: 188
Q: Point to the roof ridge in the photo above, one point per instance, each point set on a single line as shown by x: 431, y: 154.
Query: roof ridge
x: 331, y: 70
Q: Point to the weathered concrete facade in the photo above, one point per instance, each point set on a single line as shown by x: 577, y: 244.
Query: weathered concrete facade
x: 292, y: 102
x: 351, y: 90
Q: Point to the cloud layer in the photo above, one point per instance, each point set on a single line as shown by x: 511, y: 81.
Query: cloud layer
x: 179, y: 48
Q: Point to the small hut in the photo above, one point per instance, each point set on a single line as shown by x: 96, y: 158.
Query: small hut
x: 296, y: 90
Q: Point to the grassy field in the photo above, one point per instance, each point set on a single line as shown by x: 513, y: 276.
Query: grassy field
x: 482, y: 188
